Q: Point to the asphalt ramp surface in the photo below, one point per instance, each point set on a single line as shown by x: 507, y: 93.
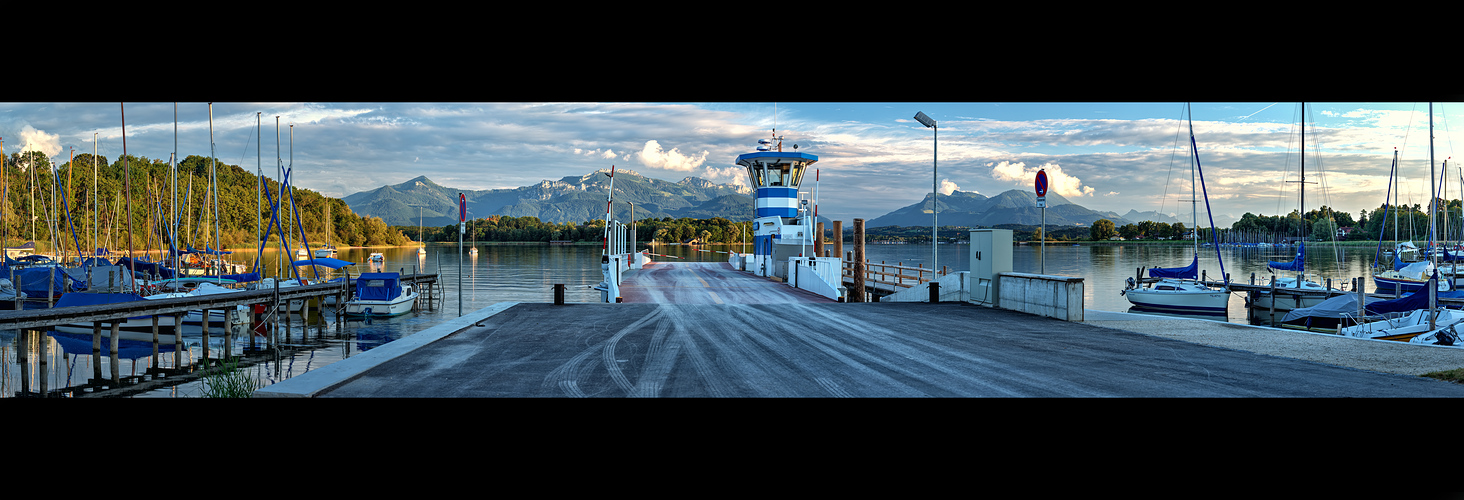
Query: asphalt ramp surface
x: 837, y: 350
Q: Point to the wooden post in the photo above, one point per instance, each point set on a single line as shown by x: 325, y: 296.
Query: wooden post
x: 42, y: 369
x: 22, y: 357
x: 116, y: 338
x: 1273, y: 301
x: 857, y: 294
x: 839, y: 238
x: 818, y: 240
x: 1361, y: 305
x: 205, y: 337
x: 155, y: 340
x: 97, y: 350
x: 177, y: 340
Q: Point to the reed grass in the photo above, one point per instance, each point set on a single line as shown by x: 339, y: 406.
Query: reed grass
x: 228, y: 381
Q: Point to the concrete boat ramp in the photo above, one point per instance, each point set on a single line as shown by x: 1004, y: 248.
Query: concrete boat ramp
x: 693, y: 330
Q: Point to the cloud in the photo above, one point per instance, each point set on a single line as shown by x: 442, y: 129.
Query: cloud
x: 652, y: 155
x: 1058, y: 181
x: 36, y: 140
x: 736, y: 176
x: 947, y: 187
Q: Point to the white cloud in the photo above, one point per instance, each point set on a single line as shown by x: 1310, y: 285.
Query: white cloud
x: 36, y: 140
x: 652, y: 155
x: 947, y: 187
x: 1058, y: 181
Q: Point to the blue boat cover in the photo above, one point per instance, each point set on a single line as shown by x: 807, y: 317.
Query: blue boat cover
x: 378, y: 286
x: 1191, y: 272
x: 147, y: 268
x: 1298, y: 264
x: 242, y: 278
x: 1413, y: 301
x: 92, y: 299
x: 35, y: 281
x: 324, y: 262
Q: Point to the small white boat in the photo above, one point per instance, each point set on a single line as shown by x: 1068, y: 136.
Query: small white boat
x: 381, y: 294
x: 1406, y: 327
x: 377, y: 259
x: 1178, y: 295
x: 325, y: 251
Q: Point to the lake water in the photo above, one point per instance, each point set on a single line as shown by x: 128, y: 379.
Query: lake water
x: 528, y: 273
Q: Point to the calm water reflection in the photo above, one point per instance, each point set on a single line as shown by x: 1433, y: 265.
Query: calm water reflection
x: 527, y: 273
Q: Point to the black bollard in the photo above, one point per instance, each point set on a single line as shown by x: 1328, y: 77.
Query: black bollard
x: 935, y: 292
x: 558, y: 294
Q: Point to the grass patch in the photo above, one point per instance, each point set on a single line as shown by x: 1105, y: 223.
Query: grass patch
x: 227, y: 381
x: 1456, y: 375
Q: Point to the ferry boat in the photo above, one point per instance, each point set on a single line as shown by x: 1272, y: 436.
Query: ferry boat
x: 783, y: 225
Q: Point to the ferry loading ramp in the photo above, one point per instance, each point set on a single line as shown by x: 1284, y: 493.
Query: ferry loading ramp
x: 827, y: 350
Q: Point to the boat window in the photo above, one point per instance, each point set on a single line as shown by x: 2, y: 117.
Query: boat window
x: 376, y: 283
x: 796, y: 176
x: 1165, y: 287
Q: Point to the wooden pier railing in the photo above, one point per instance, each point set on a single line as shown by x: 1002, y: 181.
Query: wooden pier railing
x: 884, y: 278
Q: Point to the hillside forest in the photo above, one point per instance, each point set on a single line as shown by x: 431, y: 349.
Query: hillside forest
x: 85, y: 203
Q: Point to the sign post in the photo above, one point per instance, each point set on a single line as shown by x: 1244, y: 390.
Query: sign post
x: 1042, y: 203
x: 462, y: 228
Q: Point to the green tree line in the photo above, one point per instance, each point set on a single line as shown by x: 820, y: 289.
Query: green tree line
x: 530, y: 229
x: 57, y: 206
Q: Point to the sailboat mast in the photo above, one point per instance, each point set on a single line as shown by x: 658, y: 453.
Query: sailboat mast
x: 258, y: 189
x: 1194, y: 191
x: 213, y: 187
x: 127, y: 180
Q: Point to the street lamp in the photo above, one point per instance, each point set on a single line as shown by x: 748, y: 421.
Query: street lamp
x: 934, y: 189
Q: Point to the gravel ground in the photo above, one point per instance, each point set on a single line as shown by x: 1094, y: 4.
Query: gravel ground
x: 1384, y: 356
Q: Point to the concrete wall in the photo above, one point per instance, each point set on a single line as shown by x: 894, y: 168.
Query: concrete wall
x: 1058, y: 297
x: 954, y: 287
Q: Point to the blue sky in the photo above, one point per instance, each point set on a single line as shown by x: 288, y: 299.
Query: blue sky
x: 874, y: 157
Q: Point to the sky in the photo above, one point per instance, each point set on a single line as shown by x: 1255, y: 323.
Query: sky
x: 873, y: 157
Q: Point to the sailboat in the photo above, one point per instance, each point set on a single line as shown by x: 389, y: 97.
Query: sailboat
x: 326, y: 250
x: 1263, y: 299
x: 1420, y: 314
x: 421, y: 250
x: 1179, y: 289
x: 1410, y: 271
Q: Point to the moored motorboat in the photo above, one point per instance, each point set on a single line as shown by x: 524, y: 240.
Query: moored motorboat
x: 381, y: 294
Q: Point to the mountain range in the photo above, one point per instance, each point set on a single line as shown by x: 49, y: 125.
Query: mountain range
x: 567, y: 200
x: 580, y: 199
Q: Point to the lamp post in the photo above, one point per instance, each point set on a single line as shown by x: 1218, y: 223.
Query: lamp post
x: 934, y: 190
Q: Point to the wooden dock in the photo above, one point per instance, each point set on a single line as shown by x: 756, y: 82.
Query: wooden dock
x: 272, y: 320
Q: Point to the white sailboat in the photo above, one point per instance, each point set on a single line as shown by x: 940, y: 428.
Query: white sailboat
x: 1418, y: 321
x: 1298, y: 282
x: 1179, y: 289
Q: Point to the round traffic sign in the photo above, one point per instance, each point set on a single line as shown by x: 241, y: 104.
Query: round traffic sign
x: 1041, y: 183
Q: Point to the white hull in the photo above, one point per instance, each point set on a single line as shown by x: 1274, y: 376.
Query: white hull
x: 1180, y: 296
x: 1404, y: 328
x: 400, y: 305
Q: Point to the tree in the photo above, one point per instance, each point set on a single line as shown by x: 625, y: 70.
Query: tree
x: 1129, y: 231
x: 1102, y: 229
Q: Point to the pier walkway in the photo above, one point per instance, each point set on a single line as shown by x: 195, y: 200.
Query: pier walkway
x: 707, y: 283
x: 654, y: 348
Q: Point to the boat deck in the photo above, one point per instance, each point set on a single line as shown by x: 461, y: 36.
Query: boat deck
x: 707, y: 283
